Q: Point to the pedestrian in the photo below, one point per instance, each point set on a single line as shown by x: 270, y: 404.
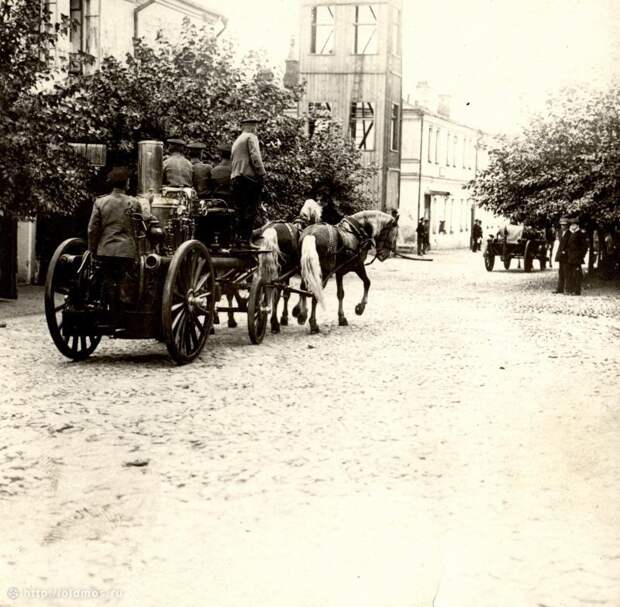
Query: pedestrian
x: 421, y: 237
x: 477, y: 235
x: 560, y: 255
x: 247, y: 177
x: 427, y: 235
x: 178, y: 171
x: 576, y: 247
x: 220, y: 174
x: 201, y: 172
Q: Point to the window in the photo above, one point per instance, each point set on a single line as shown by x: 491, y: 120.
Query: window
x: 76, y: 14
x: 395, y: 127
x: 365, y: 30
x: 318, y: 115
x: 362, y: 125
x: 448, y: 148
x: 464, y: 152
x: 396, y: 42
x: 437, y: 146
x: 456, y: 145
x: 322, y: 39
x: 429, y: 158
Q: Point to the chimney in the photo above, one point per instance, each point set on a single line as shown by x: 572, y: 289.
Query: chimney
x: 443, y: 108
x: 423, y: 94
x: 291, y: 73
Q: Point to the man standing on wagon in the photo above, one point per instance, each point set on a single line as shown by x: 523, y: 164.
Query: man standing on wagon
x: 247, y: 177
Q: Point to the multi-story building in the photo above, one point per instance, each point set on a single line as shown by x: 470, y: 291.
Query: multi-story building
x: 101, y: 28
x: 440, y: 156
x: 350, y: 60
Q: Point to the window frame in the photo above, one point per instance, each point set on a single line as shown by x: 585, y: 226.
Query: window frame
x: 316, y: 25
x: 355, y: 121
x: 357, y: 24
x: 395, y: 128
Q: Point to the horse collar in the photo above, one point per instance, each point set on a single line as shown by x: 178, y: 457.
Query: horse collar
x: 356, y: 228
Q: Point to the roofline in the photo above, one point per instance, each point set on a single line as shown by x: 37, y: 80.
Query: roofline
x: 422, y: 111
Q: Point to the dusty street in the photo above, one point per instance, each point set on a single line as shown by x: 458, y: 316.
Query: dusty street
x: 456, y: 446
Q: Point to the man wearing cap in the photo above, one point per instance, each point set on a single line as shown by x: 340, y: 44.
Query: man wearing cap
x: 560, y: 255
x: 247, y: 176
x: 178, y: 171
x: 575, y: 249
x: 220, y: 174
x: 201, y: 172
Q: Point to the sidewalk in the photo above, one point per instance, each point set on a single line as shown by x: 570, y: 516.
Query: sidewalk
x: 29, y: 302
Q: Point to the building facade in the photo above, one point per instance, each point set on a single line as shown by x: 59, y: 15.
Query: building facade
x: 440, y: 157
x: 350, y: 59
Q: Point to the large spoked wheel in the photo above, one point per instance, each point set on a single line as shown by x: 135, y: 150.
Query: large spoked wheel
x: 528, y: 256
x: 61, y: 276
x: 489, y: 259
x: 188, y: 302
x: 258, y: 310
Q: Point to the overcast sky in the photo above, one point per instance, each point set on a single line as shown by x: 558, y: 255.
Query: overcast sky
x: 501, y: 56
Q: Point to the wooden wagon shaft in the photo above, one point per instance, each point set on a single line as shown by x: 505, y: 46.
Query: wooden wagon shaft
x: 413, y: 258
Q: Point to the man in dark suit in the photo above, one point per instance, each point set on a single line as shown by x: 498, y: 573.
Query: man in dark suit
x: 201, y: 172
x: 560, y: 255
x: 575, y: 248
x: 421, y: 237
x: 220, y: 174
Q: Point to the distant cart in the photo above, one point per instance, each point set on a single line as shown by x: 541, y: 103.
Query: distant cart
x: 517, y: 242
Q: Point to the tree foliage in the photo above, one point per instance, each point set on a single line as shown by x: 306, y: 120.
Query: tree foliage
x: 39, y: 170
x: 192, y: 87
x: 567, y: 160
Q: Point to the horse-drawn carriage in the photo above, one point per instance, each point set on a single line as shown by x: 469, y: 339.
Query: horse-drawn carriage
x: 171, y: 293
x: 517, y: 242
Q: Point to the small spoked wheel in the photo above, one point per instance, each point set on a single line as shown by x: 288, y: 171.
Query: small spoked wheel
x: 258, y: 310
x: 188, y: 302
x: 489, y: 259
x: 61, y: 279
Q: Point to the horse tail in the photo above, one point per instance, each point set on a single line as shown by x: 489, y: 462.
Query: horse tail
x: 269, y: 263
x: 311, y: 269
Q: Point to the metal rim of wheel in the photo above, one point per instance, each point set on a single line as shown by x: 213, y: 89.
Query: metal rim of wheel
x: 188, y: 302
x: 75, y: 347
x: 489, y: 260
x: 258, y: 311
x: 528, y: 257
x: 507, y: 259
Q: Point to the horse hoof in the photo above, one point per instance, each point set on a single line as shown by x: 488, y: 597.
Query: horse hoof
x: 211, y: 331
x: 359, y: 309
x: 275, y: 330
x: 343, y: 322
x: 314, y: 330
x: 295, y: 311
x: 284, y: 321
x: 232, y: 324
x: 216, y: 320
x: 301, y: 319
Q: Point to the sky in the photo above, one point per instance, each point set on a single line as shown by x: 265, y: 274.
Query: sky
x: 496, y: 58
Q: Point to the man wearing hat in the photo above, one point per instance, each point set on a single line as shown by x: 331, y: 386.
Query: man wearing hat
x: 201, y: 172
x: 331, y: 213
x: 560, y: 254
x: 220, y: 174
x: 247, y: 176
x: 575, y: 249
x: 178, y: 171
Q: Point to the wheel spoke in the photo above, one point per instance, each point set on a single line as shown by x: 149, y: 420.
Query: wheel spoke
x: 74, y: 343
x: 201, y: 281
x: 177, y: 320
x: 83, y: 342
x: 200, y: 264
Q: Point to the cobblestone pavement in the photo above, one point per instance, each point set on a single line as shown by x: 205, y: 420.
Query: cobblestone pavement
x: 456, y: 446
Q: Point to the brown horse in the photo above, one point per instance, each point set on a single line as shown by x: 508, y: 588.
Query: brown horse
x: 327, y: 250
x: 281, y: 238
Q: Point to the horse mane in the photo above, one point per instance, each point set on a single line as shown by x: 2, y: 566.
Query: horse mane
x: 311, y: 211
x: 376, y: 220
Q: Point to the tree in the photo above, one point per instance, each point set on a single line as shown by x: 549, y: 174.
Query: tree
x: 39, y: 172
x: 567, y: 160
x: 194, y: 88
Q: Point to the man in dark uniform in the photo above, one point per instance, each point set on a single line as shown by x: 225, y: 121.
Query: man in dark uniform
x: 575, y: 248
x: 201, y: 172
x: 476, y: 235
x: 220, y: 174
x: 421, y: 237
x: 560, y: 255
x: 178, y: 171
x: 247, y: 177
x: 111, y: 237
x: 331, y: 213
